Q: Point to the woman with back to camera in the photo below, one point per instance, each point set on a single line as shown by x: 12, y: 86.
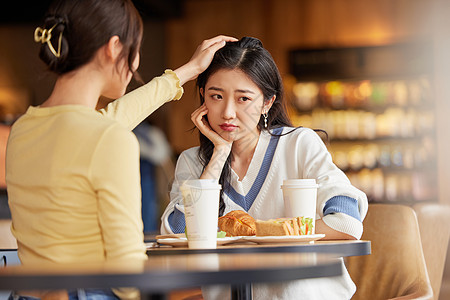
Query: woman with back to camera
x: 248, y: 144
x: 73, y: 172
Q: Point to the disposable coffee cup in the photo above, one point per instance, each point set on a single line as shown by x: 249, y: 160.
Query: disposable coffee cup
x: 300, y: 198
x: 201, y: 209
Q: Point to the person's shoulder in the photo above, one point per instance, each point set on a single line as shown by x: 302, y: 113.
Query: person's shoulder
x: 302, y: 135
x: 80, y: 118
x: 295, y: 132
x: 113, y: 132
x: 188, y: 161
x: 191, y: 153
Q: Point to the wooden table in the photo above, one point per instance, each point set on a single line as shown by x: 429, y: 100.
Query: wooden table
x: 242, y: 290
x: 340, y: 248
x: 163, y: 273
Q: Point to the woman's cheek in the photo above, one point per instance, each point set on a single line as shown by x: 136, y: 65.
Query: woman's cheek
x: 254, y: 114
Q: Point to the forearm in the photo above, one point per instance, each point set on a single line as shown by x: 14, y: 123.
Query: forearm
x: 132, y: 108
x: 216, y: 164
x: 187, y: 73
x: 330, y: 233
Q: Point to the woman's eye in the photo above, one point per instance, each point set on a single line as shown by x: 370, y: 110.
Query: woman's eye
x: 243, y: 99
x: 216, y: 97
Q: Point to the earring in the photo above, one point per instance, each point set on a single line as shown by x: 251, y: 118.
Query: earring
x: 265, y: 115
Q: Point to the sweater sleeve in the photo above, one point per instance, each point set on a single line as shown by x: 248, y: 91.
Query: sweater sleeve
x: 116, y: 181
x: 132, y: 108
x: 188, y: 167
x: 341, y: 205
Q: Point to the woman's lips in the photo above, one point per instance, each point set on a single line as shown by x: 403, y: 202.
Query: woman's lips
x: 227, y: 127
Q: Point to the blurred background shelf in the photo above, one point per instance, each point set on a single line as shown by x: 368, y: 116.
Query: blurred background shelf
x: 377, y: 106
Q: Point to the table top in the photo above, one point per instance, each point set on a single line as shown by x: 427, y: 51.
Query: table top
x: 167, y: 272
x: 338, y: 248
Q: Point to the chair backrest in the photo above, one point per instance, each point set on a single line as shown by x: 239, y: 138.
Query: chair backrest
x: 396, y: 267
x: 7, y: 240
x: 434, y: 225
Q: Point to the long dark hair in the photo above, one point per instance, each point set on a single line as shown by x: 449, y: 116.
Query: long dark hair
x: 249, y: 56
x: 85, y: 26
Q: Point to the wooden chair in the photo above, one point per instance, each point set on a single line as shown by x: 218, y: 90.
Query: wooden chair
x: 434, y: 225
x: 396, y: 268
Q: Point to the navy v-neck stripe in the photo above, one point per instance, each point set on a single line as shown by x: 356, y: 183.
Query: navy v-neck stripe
x: 247, y: 200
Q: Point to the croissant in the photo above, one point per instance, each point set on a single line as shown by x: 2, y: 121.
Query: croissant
x: 237, y: 223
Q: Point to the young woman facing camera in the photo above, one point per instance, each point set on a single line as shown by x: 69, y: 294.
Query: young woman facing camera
x: 73, y: 172
x: 248, y: 144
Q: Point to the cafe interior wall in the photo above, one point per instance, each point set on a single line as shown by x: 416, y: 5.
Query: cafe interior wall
x: 284, y: 25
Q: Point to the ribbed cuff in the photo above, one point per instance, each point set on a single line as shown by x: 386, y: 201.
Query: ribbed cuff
x: 344, y: 223
x: 177, y: 221
x: 180, y: 89
x: 342, y: 204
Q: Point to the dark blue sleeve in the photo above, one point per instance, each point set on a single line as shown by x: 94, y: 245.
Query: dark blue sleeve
x: 176, y: 221
x: 342, y: 204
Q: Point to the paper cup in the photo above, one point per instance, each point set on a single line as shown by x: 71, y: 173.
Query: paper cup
x: 201, y: 209
x: 300, y: 198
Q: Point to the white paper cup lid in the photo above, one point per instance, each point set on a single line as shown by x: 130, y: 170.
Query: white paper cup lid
x: 299, y: 183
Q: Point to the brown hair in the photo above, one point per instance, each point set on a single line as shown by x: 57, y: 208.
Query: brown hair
x: 249, y: 56
x: 85, y: 26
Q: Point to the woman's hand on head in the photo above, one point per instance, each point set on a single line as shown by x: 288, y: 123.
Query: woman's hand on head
x: 202, y: 58
x: 198, y: 118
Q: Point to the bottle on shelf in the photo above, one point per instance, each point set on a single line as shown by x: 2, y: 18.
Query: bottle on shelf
x: 380, y: 132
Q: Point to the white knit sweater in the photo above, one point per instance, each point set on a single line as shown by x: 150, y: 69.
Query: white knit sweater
x: 300, y: 154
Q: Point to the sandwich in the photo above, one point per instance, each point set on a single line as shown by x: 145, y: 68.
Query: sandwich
x: 284, y: 226
x: 237, y: 223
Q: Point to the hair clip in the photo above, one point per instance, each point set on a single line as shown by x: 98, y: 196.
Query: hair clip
x: 44, y: 36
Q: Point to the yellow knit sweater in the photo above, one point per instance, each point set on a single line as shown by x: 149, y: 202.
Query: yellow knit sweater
x: 73, y: 178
